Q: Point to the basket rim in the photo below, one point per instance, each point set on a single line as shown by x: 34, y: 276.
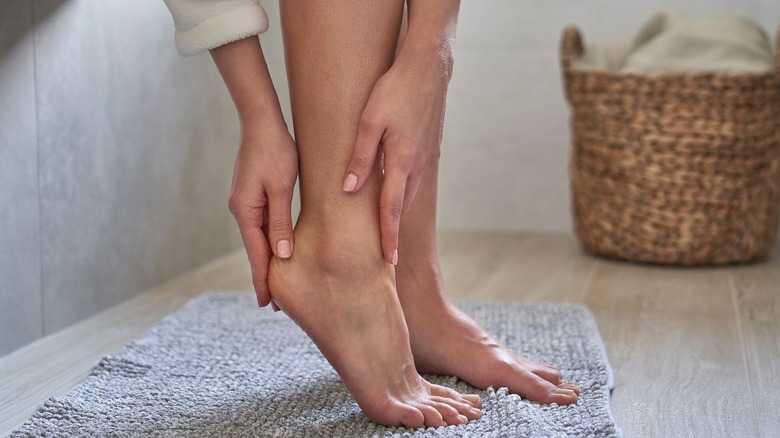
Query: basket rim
x: 691, y: 74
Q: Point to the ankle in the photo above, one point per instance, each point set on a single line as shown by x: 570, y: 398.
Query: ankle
x: 337, y: 249
x: 418, y: 267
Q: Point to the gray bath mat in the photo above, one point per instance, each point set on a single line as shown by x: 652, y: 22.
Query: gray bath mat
x: 221, y: 367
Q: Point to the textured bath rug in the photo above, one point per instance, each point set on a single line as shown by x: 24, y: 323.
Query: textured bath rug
x: 221, y: 367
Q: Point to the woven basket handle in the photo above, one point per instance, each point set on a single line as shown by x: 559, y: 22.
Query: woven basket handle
x: 571, y: 46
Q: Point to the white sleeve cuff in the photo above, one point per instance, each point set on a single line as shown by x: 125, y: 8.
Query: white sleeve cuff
x: 221, y: 29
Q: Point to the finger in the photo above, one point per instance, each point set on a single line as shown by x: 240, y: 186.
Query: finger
x: 412, y: 184
x: 366, y: 147
x: 280, y: 230
x: 258, y: 252
x: 391, y: 203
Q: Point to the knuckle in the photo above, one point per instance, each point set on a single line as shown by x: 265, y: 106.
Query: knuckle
x: 406, y: 162
x: 368, y: 121
x: 402, y: 160
x: 279, y: 190
x: 279, y: 225
x: 234, y: 206
x: 392, y: 209
x: 361, y: 161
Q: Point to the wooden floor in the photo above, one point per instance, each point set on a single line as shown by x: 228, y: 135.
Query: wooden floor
x: 696, y: 352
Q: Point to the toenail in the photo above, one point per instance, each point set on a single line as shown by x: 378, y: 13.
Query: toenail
x: 463, y: 419
x: 474, y: 398
x: 444, y: 424
x: 566, y: 392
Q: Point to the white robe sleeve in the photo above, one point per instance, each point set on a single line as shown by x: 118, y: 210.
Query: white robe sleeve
x: 202, y: 25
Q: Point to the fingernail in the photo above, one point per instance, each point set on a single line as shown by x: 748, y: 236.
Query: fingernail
x: 463, y: 419
x: 567, y: 392
x: 350, y: 182
x: 283, y: 248
x: 474, y: 398
x: 395, y: 257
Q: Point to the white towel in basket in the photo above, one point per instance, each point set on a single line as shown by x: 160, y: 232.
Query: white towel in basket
x: 672, y: 42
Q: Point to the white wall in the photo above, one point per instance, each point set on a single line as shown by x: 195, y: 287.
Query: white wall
x: 506, y: 141
x: 116, y: 157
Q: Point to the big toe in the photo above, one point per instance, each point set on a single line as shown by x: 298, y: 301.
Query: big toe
x: 535, y: 388
x: 549, y: 373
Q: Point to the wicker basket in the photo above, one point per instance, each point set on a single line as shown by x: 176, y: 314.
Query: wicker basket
x: 673, y: 168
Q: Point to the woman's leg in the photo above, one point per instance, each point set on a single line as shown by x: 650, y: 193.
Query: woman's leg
x: 444, y: 339
x: 336, y: 285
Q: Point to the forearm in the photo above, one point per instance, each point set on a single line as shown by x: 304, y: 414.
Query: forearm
x: 431, y: 30
x: 243, y: 68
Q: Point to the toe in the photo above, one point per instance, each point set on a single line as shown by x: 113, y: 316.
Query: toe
x: 570, y: 385
x: 433, y: 417
x: 410, y: 417
x: 464, y: 409
x: 563, y: 396
x: 448, y: 413
x: 550, y: 374
x: 535, y: 388
x: 473, y: 399
x: 392, y: 412
x: 443, y: 391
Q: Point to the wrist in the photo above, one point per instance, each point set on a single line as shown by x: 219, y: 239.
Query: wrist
x: 259, y: 123
x: 430, y: 34
x: 261, y: 115
x: 434, y: 58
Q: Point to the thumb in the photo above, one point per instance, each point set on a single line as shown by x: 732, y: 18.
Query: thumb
x: 280, y: 231
x: 369, y: 135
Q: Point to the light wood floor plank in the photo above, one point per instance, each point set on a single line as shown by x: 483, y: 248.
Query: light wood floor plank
x: 501, y: 266
x: 756, y: 292
x: 671, y: 335
x: 469, y: 260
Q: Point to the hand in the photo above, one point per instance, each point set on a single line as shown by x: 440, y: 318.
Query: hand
x: 403, y: 119
x: 260, y: 200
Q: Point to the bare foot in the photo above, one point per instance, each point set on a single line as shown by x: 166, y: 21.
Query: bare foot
x: 347, y: 303
x: 447, y: 341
